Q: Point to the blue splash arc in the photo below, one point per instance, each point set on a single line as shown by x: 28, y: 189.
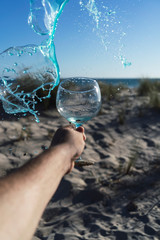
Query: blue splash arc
x: 26, y: 69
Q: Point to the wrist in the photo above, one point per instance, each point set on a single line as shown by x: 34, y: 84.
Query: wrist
x: 66, y: 153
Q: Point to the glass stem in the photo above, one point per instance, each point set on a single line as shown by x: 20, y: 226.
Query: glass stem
x: 78, y: 159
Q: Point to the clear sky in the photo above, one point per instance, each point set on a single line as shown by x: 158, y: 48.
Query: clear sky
x: 132, y: 31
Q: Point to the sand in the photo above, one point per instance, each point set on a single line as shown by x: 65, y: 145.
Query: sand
x: 117, y: 197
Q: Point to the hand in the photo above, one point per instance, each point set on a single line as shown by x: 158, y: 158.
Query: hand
x: 74, y: 138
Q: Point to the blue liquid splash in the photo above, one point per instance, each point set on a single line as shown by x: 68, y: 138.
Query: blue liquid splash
x: 26, y: 69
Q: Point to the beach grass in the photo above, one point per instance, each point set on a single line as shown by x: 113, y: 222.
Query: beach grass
x: 27, y: 83
x: 147, y: 86
x: 151, y: 89
x: 110, y: 91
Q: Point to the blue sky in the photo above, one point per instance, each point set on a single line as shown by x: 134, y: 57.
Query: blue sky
x: 79, y: 48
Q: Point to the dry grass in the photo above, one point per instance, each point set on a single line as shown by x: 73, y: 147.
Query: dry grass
x: 110, y: 91
x: 27, y: 83
x: 49, y: 102
x: 150, y: 88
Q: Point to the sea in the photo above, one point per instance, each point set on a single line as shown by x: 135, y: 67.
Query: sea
x: 129, y: 82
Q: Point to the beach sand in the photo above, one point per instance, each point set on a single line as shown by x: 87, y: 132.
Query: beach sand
x: 118, y: 197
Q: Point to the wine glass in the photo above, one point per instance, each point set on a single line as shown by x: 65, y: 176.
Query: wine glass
x: 78, y: 100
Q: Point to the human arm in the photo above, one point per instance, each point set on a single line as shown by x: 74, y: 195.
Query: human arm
x: 25, y: 193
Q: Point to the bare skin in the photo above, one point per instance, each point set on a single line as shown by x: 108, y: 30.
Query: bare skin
x: 25, y: 193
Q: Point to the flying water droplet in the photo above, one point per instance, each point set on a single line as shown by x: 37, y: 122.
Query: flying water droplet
x: 106, y: 26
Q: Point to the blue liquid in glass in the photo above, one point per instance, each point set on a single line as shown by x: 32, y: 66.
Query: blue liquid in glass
x: 78, y: 121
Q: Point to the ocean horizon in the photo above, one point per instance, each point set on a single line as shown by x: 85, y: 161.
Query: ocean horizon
x: 129, y: 82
